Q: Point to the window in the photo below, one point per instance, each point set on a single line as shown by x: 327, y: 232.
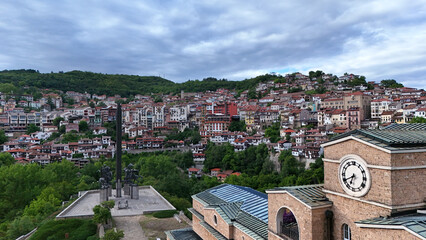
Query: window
x: 215, y: 219
x: 346, y: 232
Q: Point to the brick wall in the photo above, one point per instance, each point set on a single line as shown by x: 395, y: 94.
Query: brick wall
x: 311, y: 222
x: 221, y: 226
x: 348, y: 211
x: 408, y: 183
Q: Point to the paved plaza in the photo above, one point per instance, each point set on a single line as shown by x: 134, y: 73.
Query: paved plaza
x: 149, y: 201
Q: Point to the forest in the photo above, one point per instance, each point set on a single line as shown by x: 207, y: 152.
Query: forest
x: 123, y: 85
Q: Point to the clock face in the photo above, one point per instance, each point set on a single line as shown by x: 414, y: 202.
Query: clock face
x: 354, y: 177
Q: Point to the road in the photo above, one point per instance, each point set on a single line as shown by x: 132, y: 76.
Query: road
x: 131, y: 227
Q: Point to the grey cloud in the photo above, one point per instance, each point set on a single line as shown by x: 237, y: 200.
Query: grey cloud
x: 184, y: 40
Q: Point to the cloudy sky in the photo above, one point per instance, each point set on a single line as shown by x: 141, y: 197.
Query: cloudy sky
x: 194, y: 39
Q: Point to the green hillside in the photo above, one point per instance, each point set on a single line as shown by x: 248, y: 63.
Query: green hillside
x: 124, y: 85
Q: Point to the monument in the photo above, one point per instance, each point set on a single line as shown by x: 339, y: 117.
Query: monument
x: 105, y: 183
x: 118, y: 152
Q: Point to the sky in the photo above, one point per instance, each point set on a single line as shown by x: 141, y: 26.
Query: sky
x: 195, y: 39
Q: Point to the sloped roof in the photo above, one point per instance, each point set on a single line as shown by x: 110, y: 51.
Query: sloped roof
x: 311, y: 195
x: 393, y: 137
x: 243, y: 207
x: 413, y: 222
x: 182, y: 234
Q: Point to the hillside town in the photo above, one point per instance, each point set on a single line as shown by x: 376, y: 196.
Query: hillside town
x: 80, y: 126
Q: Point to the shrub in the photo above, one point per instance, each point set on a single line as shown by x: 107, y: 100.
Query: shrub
x: 56, y: 229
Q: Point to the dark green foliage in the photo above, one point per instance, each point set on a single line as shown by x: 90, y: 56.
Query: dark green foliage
x: 391, y: 83
x: 418, y: 120
x: 32, y: 128
x: 295, y: 89
x: 113, y: 235
x: 3, y: 137
x: 358, y: 81
x: 165, y: 214
x: 253, y: 161
x: 20, y: 226
x: 101, y: 214
x: 124, y: 85
x: 76, y: 229
x: 273, y: 132
x: 239, y: 126
x: 189, y: 135
x: 83, y: 126
x: 6, y: 159
x: 70, y: 137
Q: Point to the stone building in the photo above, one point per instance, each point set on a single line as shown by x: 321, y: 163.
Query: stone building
x: 374, y: 188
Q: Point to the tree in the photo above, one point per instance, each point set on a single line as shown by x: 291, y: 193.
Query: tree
x: 6, y: 159
x: 45, y: 204
x: 3, y: 137
x: 83, y: 126
x: 289, y: 164
x: 273, y: 132
x: 391, y: 83
x: 32, y: 128
x: 101, y: 214
x: 239, y: 126
x: 57, y: 121
x: 113, y: 235
x: 252, y: 94
x: 418, y: 120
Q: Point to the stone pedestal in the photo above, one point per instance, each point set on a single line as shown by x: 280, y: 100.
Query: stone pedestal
x: 110, y: 191
x: 134, y: 191
x: 103, y: 195
x: 126, y: 189
x: 118, y: 189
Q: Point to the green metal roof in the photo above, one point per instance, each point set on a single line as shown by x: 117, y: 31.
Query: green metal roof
x: 407, y: 126
x: 242, y: 207
x: 252, y: 226
x: 393, y: 137
x: 414, y: 222
x: 311, y: 195
x: 215, y: 233
x: 209, y: 198
x: 196, y: 213
x: 231, y: 209
x: 182, y: 234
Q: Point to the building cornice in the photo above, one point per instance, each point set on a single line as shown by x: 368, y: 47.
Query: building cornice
x: 380, y: 167
x: 396, y: 227
x: 371, y: 145
x: 398, y: 207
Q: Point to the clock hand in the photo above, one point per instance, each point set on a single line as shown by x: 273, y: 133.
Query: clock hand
x: 353, y: 175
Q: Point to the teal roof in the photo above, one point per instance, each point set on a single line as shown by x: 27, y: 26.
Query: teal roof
x: 393, y: 137
x: 242, y: 207
x: 252, y: 226
x: 213, y: 231
x: 414, y: 222
x: 182, y: 234
x: 311, y: 195
x: 253, y: 202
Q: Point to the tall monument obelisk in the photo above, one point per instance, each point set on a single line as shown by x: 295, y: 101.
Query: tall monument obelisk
x: 118, y: 120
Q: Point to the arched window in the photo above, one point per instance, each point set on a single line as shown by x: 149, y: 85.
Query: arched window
x: 346, y: 230
x: 215, y: 219
x: 287, y: 225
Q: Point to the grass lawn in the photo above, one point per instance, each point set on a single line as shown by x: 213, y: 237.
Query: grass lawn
x: 155, y: 227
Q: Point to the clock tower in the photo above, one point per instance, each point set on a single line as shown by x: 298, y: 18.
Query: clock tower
x: 375, y: 174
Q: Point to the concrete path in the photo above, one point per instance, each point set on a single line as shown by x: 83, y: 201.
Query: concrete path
x: 131, y: 227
